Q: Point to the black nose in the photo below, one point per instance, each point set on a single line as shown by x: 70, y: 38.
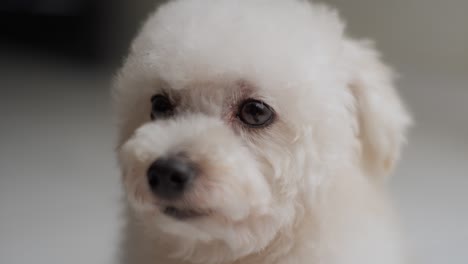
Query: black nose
x: 169, y: 177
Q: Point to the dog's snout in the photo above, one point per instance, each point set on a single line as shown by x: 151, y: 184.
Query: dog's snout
x: 169, y: 177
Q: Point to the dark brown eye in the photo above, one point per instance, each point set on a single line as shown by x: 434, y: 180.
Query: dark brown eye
x: 161, y: 106
x: 255, y: 113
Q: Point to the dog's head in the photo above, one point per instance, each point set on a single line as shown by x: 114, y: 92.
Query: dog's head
x: 233, y: 117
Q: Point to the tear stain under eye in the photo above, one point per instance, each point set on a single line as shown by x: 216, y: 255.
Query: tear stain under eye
x: 242, y: 90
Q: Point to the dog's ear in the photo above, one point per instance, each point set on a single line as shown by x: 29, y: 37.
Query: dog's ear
x: 381, y: 115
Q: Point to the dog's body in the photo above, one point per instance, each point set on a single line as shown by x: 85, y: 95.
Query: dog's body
x: 256, y: 132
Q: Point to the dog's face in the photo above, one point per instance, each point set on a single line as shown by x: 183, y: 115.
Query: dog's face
x: 229, y: 128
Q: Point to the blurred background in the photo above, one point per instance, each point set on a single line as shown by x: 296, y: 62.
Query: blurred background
x: 59, y: 183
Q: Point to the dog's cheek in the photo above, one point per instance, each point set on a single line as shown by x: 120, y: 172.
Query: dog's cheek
x: 136, y: 189
x: 134, y: 157
x: 240, y: 200
x: 233, y: 187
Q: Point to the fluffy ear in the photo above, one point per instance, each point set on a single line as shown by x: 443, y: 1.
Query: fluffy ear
x: 381, y: 115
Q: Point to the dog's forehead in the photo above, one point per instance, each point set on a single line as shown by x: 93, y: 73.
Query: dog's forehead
x: 225, y: 92
x: 186, y: 43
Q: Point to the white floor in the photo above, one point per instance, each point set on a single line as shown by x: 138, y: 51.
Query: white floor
x: 59, y: 187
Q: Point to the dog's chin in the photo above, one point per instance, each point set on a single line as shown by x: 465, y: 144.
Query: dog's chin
x: 184, y: 214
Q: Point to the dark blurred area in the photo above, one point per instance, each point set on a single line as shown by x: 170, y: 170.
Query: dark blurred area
x: 84, y: 30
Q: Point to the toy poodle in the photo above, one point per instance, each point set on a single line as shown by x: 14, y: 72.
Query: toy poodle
x: 256, y: 132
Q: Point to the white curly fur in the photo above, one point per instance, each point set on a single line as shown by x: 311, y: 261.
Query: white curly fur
x: 306, y: 189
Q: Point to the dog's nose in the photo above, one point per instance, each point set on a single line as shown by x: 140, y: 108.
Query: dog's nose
x: 169, y: 177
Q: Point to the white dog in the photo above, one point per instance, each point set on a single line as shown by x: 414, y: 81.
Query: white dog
x: 256, y: 132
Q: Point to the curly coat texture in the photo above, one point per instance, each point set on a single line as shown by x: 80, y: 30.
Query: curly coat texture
x: 309, y: 188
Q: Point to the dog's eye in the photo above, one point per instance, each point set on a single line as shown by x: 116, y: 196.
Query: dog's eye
x: 161, y: 106
x: 255, y: 113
